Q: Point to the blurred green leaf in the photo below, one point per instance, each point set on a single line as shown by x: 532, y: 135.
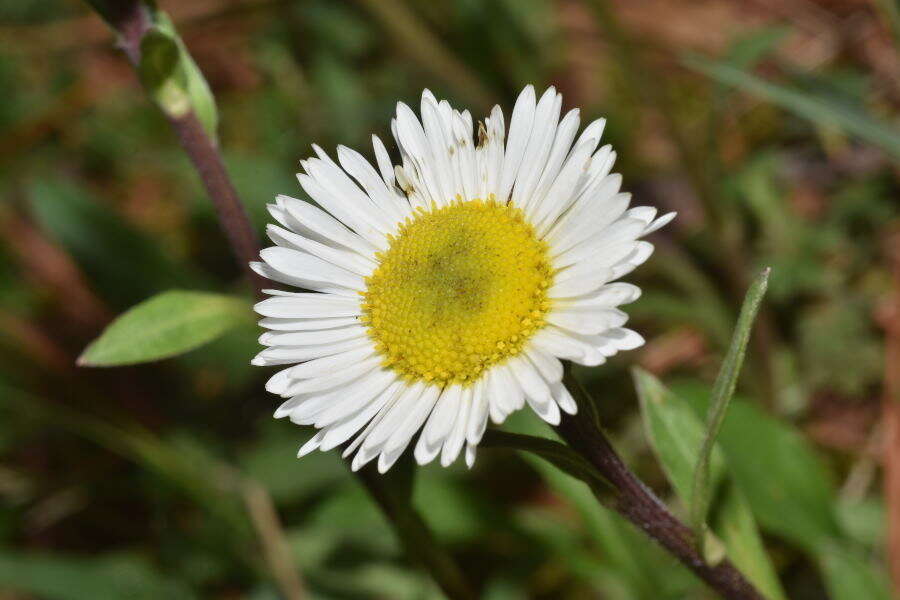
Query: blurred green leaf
x: 849, y: 577
x: 455, y: 513
x: 274, y: 453
x: 722, y: 392
x: 817, y: 109
x: 733, y: 521
x: 169, y: 74
x: 677, y: 434
x: 161, y: 73
x: 168, y: 324
x: 784, y: 480
x: 640, y: 565
x: 111, y: 577
x: 125, y: 264
x: 750, y: 49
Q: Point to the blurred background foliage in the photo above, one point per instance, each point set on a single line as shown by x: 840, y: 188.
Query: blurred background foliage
x: 770, y: 126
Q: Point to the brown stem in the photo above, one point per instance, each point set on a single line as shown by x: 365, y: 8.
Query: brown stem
x: 637, y: 503
x: 232, y: 217
x: 132, y: 19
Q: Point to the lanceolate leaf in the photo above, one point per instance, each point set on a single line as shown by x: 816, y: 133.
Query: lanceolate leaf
x: 722, y: 391
x: 734, y: 523
x: 676, y: 434
x: 785, y: 482
x: 166, y: 325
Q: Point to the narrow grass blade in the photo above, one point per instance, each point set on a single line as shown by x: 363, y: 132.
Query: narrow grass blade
x: 807, y: 106
x: 723, y: 390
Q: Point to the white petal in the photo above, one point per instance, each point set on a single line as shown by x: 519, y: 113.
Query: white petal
x: 470, y: 455
x: 625, y: 339
x: 356, y: 396
x: 562, y: 193
x: 414, y: 419
x: 549, y: 366
x: 316, y: 224
x: 546, y: 118
x: 587, y: 319
x: 393, y: 419
x: 441, y: 421
x: 268, y: 272
x: 478, y: 415
x: 303, y: 265
x: 660, y: 222
x: 343, y: 430
x: 280, y: 355
x: 277, y: 324
x: 308, y: 338
x: 563, y: 398
x: 520, y: 127
x: 333, y: 380
x: 537, y: 392
x: 311, y: 444
x: 562, y: 143
x: 608, y: 296
x: 346, y: 259
x: 309, y: 306
x: 457, y: 437
x: 328, y: 364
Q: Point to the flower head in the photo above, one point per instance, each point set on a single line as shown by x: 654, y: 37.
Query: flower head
x: 446, y: 289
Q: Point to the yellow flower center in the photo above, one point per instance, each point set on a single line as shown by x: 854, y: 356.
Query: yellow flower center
x: 459, y: 288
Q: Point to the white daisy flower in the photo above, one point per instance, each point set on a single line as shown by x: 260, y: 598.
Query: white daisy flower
x: 446, y: 289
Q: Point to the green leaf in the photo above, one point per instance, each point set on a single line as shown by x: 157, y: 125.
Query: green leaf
x: 819, y: 110
x: 112, y: 577
x: 199, y: 94
x: 171, y: 76
x: 123, y: 263
x: 849, y: 577
x: 630, y: 557
x: 166, y: 325
x: 676, y: 434
x: 733, y: 521
x: 750, y: 49
x: 722, y: 392
x: 785, y: 482
x: 162, y: 74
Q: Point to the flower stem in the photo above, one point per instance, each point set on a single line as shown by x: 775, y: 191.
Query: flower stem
x: 637, y: 503
x: 131, y: 20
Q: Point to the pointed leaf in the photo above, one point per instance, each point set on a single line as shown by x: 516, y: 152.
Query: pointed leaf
x: 676, y: 434
x: 723, y: 390
x: 167, y: 324
x: 785, y: 482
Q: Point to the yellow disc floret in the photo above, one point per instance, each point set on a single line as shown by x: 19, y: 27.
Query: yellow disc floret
x: 460, y: 288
